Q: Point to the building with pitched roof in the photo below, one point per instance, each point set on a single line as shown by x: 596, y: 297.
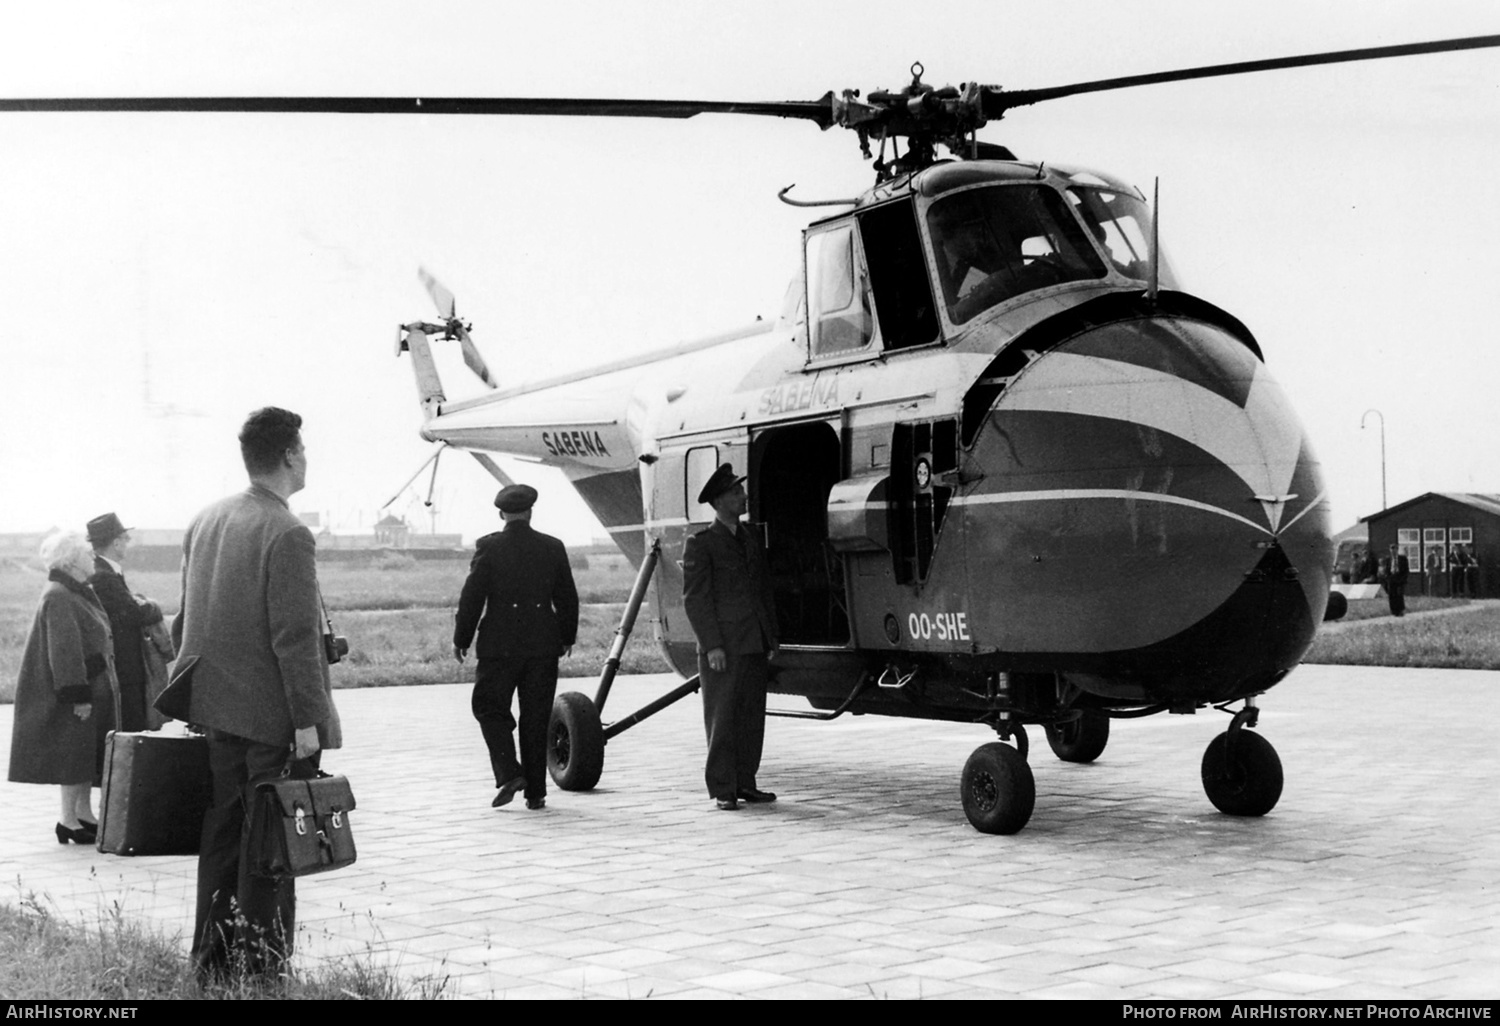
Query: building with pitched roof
x: 1437, y: 532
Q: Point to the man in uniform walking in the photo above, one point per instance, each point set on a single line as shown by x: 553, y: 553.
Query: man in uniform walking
x: 727, y: 592
x: 520, y: 580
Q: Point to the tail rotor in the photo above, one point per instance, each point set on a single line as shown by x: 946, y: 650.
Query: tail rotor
x: 455, y: 328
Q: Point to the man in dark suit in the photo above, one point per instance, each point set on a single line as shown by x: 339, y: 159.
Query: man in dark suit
x: 520, y: 580
x: 727, y: 593
x: 128, y: 618
x: 1397, y: 572
x: 253, y: 660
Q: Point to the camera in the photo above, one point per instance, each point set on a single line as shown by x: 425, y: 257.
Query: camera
x: 335, y: 647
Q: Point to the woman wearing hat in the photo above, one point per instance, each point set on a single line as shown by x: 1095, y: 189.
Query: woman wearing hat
x: 129, y: 617
x: 67, y: 672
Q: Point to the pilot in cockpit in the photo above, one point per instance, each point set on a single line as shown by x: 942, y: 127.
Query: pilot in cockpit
x: 971, y: 254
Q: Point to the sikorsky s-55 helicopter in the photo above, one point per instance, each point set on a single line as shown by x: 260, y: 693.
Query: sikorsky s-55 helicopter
x: 1009, y: 473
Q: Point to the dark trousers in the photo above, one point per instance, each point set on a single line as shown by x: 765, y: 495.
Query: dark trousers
x: 1397, y: 594
x: 240, y: 916
x: 495, y: 682
x: 734, y: 715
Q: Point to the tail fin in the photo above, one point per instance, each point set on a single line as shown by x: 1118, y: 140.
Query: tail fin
x: 413, y: 338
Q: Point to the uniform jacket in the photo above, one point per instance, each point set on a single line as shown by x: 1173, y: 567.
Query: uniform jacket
x: 727, y: 591
x: 520, y: 580
x: 250, y: 630
x: 69, y: 660
x: 128, y: 619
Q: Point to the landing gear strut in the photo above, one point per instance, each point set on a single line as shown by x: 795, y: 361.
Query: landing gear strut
x: 997, y: 788
x: 1241, y: 771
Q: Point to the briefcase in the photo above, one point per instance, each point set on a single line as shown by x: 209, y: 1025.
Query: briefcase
x: 301, y: 827
x: 156, y: 790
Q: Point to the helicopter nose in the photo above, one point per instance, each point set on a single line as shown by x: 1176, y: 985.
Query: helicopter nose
x: 1140, y: 478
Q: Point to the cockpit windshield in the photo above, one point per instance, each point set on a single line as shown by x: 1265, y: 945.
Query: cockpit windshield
x: 997, y: 242
x: 1121, y: 223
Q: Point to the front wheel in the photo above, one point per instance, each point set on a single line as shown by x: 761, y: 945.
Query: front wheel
x: 997, y: 789
x: 575, y: 742
x: 1242, y: 774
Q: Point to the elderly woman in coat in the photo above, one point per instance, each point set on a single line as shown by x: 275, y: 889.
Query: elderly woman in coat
x: 66, y: 673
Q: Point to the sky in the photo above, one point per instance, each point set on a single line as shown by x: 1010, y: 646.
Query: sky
x: 162, y: 275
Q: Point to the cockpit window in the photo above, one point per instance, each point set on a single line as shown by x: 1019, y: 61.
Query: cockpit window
x: 1122, y: 225
x: 994, y: 243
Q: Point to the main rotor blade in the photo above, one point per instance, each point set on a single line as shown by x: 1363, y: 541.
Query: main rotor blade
x: 995, y: 102
x: 820, y: 111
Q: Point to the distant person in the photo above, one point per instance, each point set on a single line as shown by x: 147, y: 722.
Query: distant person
x: 1434, y: 570
x: 1369, y: 570
x: 252, y: 655
x: 727, y: 593
x: 1398, y: 570
x: 129, y: 618
x: 521, y: 583
x: 1471, y: 573
x: 65, y: 680
x: 1462, y: 562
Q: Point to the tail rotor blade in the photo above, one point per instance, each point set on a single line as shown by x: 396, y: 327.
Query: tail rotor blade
x: 472, y: 357
x: 440, y: 295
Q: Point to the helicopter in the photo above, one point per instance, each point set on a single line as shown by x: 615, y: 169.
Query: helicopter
x: 986, y: 422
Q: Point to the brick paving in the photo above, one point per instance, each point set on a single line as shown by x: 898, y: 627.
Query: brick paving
x: 1377, y: 876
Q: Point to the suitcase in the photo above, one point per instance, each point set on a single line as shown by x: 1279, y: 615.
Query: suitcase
x: 156, y: 789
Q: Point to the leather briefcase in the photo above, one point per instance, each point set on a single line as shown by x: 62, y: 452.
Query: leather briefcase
x: 156, y: 789
x: 301, y: 827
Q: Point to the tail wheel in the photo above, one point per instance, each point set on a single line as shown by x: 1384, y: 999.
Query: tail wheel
x: 575, y: 742
x: 1080, y: 740
x: 1242, y: 773
x: 997, y: 789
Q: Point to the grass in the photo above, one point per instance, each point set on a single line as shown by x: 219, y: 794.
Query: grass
x: 1464, y: 640
x: 415, y: 646
x: 43, y: 957
x: 1370, y: 609
x: 397, y: 613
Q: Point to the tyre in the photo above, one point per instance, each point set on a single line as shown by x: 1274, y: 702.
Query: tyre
x: 575, y: 742
x: 1081, y: 740
x: 1244, y: 781
x: 997, y: 789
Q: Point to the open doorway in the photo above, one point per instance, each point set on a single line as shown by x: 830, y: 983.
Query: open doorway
x: 792, y: 471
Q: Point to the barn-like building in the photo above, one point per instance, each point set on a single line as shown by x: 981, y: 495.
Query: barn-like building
x: 1435, y: 532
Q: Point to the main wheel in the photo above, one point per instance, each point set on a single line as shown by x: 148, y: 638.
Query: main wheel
x: 1242, y: 778
x: 575, y: 742
x: 997, y: 789
x: 1080, y: 740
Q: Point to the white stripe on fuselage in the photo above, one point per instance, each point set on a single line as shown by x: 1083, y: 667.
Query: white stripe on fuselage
x: 1072, y: 494
x: 1259, y: 443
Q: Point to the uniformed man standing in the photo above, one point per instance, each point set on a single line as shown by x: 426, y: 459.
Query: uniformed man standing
x: 520, y: 580
x: 727, y: 592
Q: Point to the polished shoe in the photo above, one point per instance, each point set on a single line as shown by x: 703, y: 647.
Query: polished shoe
x: 536, y: 803
x: 507, y: 792
x: 79, y: 836
x: 727, y: 804
x: 756, y: 797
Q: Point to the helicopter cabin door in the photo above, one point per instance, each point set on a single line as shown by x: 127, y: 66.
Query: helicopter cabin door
x: 793, y: 467
x: 868, y: 292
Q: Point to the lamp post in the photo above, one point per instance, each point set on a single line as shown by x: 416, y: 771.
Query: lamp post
x: 1382, y: 450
